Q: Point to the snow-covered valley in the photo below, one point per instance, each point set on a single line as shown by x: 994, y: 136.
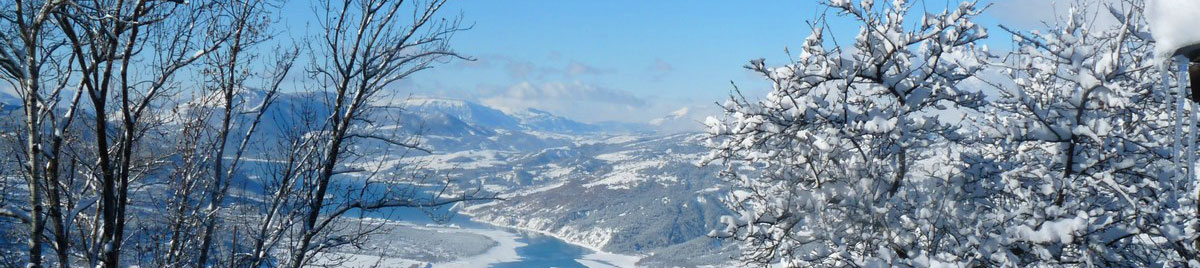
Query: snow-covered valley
x: 636, y: 193
x: 571, y: 194
x: 381, y: 133
x: 609, y: 197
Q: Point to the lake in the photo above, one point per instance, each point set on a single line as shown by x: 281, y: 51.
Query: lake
x: 521, y: 248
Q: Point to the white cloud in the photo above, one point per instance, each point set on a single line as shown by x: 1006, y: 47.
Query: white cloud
x: 659, y: 69
x: 521, y: 69
x: 590, y: 103
x: 677, y: 114
x: 576, y: 100
x: 576, y: 91
x: 575, y: 68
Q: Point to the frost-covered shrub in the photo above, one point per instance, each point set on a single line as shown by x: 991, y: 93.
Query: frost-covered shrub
x: 884, y: 152
x: 846, y: 144
x: 1082, y: 138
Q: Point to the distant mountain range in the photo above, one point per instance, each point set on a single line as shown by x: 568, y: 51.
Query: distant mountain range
x: 9, y: 102
x: 530, y: 119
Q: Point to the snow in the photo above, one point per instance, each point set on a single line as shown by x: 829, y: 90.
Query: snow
x: 627, y: 175
x: 1173, y: 24
x: 506, y: 251
x: 772, y: 137
x: 538, y: 189
x: 709, y: 190
x: 365, y: 260
x: 591, y: 238
x: 616, y: 156
x: 434, y: 102
x: 620, y: 139
x: 677, y: 114
x: 457, y: 247
x: 472, y: 159
x: 1012, y: 150
x: 1063, y: 230
x: 880, y: 124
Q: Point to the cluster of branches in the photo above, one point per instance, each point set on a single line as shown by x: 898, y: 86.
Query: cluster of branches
x: 916, y: 146
x: 113, y: 164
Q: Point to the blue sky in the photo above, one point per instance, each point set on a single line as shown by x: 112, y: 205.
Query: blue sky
x: 612, y: 60
x: 631, y: 61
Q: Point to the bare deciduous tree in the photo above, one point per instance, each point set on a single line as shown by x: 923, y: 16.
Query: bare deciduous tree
x: 127, y: 55
x: 105, y: 134
x: 364, y: 48
x: 32, y: 61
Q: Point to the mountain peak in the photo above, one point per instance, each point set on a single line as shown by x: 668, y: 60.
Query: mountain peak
x: 9, y: 102
x: 489, y: 117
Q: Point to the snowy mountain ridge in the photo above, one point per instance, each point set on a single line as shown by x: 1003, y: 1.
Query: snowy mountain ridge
x: 529, y: 119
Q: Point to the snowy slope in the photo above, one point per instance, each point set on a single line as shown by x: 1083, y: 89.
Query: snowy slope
x: 468, y: 112
x: 597, y: 185
x: 9, y: 102
x: 534, y: 119
x: 638, y: 196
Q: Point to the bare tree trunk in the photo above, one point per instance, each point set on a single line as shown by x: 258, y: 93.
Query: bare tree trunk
x: 123, y: 54
x: 105, y: 51
x: 220, y: 185
x: 20, y: 60
x: 247, y: 30
x: 54, y: 192
x: 34, y: 179
x: 332, y: 153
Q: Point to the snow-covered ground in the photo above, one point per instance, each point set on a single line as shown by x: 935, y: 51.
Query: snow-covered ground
x: 454, y: 241
x: 597, y: 257
x: 404, y: 244
x: 504, y: 251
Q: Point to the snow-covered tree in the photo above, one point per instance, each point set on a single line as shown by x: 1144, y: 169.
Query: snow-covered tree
x: 1077, y: 148
x: 844, y: 162
x: 1071, y: 161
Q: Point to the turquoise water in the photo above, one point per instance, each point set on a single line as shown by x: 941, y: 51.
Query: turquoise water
x: 538, y: 251
x: 545, y: 251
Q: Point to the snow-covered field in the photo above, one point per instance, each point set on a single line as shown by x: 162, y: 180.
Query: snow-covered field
x: 504, y: 251
x: 403, y: 244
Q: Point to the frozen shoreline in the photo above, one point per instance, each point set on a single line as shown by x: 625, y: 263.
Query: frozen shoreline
x: 596, y: 259
x: 504, y: 251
